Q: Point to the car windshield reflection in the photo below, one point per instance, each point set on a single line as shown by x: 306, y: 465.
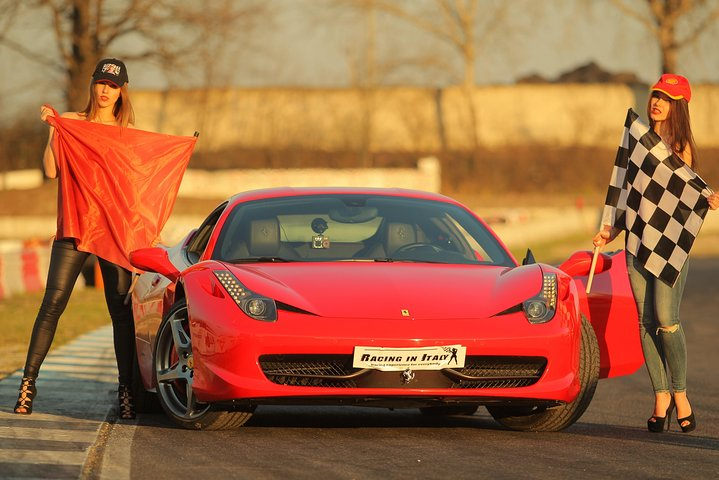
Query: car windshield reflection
x: 322, y: 228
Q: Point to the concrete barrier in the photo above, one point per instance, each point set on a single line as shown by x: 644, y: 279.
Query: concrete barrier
x: 526, y: 227
x: 408, y: 119
x: 3, y: 293
x: 224, y: 183
x: 21, y: 179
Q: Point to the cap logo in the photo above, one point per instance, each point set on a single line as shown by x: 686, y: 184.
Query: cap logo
x: 111, y: 68
x: 672, y: 81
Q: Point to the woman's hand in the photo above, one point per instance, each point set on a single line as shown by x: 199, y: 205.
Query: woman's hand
x: 605, y: 235
x: 45, y: 112
x: 713, y: 200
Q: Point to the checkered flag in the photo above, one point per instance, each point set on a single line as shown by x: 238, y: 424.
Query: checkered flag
x: 657, y: 199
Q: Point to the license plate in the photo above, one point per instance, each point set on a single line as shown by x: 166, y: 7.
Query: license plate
x: 398, y: 359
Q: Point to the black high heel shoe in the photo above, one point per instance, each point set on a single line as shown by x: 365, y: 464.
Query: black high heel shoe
x: 691, y: 423
x: 656, y: 424
x: 689, y: 427
x: 127, y: 409
x: 28, y: 390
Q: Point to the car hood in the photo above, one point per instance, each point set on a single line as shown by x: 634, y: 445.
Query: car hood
x: 392, y: 290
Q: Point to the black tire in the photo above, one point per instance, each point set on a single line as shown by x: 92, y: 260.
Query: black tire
x: 535, y: 419
x: 447, y: 410
x: 144, y: 401
x: 173, y: 374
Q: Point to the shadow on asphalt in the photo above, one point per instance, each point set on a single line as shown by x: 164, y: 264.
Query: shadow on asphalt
x: 336, y: 418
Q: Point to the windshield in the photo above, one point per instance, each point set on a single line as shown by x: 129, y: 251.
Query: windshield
x: 356, y: 228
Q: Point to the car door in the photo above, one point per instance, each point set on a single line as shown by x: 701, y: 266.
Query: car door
x: 610, y: 308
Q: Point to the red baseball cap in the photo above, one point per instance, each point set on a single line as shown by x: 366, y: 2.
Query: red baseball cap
x: 676, y: 86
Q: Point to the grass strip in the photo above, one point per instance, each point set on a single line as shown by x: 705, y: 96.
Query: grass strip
x: 85, y: 312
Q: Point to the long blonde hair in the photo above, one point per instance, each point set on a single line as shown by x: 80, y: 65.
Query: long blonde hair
x: 122, y: 110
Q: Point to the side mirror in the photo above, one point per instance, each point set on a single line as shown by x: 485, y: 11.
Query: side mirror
x: 580, y: 263
x: 156, y: 260
x: 529, y: 258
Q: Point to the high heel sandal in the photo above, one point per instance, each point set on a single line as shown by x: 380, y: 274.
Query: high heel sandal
x: 656, y: 424
x: 127, y: 409
x: 690, y: 426
x: 28, y: 390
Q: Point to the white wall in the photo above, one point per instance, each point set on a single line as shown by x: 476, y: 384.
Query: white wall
x: 410, y: 119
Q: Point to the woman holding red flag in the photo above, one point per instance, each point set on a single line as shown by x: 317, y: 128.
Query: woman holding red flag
x: 108, y: 104
x: 661, y: 333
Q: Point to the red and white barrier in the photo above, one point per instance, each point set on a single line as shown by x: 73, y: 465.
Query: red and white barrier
x: 24, y: 267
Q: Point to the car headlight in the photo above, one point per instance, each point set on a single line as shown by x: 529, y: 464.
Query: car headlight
x: 541, y: 307
x: 253, y: 305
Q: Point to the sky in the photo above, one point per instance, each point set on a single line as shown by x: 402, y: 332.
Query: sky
x: 303, y: 48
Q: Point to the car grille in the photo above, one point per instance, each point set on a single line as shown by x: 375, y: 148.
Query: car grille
x: 336, y: 371
x: 498, y: 372
x: 310, y: 370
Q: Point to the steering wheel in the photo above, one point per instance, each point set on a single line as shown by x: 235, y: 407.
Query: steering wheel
x: 416, y: 246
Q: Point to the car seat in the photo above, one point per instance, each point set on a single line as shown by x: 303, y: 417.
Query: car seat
x: 264, y: 240
x: 399, y: 235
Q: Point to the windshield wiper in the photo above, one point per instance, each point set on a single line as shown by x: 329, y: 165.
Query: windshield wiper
x: 404, y: 260
x: 261, y: 260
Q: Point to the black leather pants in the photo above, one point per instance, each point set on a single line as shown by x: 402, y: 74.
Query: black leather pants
x: 65, y: 266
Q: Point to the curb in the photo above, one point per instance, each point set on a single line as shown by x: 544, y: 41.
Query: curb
x: 76, y: 397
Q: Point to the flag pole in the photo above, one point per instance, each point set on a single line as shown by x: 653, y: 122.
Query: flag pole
x: 591, y: 269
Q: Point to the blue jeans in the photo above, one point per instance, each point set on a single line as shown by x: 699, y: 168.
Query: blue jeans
x: 663, y: 340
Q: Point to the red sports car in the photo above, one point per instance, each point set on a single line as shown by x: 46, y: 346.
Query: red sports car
x: 375, y: 297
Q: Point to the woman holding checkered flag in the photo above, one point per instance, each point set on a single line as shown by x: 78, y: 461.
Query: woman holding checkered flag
x: 659, y: 202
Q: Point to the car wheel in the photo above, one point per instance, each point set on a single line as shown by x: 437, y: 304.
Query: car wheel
x: 173, y: 367
x: 446, y: 410
x: 553, y: 419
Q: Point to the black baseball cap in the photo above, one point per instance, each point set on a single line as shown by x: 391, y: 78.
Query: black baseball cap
x: 110, y: 70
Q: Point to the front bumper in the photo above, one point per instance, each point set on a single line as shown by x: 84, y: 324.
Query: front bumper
x: 304, y: 359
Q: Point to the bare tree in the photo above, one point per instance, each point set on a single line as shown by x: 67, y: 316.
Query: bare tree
x: 224, y: 30
x: 166, y: 31
x: 663, y: 19
x: 466, y: 27
x: 9, y: 9
x: 373, y: 60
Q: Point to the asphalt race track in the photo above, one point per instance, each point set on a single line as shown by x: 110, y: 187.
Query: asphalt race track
x: 609, y: 441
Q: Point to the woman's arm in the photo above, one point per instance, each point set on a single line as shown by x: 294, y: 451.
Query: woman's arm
x: 49, y: 163
x: 48, y: 157
x: 713, y: 199
x: 686, y: 155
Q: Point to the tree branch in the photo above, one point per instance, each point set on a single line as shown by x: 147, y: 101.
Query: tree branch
x: 33, y: 56
x: 708, y: 21
x: 638, y: 16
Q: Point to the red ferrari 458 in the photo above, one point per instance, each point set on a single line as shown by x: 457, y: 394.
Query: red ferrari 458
x: 375, y: 297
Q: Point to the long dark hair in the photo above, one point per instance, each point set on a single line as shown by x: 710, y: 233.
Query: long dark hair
x: 676, y: 130
x: 122, y: 110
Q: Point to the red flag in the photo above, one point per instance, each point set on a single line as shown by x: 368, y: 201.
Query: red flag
x: 117, y: 185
